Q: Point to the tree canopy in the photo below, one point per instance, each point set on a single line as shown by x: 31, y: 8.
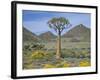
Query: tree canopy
x: 59, y: 24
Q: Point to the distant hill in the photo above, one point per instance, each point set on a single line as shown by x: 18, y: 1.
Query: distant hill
x: 79, y: 31
x: 29, y: 36
x: 47, y: 36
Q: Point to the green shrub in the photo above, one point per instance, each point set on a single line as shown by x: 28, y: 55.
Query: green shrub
x: 39, y: 54
x: 63, y: 64
x: 68, y: 53
x: 49, y: 66
x: 37, y: 46
x: 59, y: 64
x: 84, y: 63
x: 28, y: 66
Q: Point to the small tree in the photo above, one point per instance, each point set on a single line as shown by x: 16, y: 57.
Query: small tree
x: 59, y: 24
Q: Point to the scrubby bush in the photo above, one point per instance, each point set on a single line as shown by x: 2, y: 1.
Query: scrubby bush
x: 63, y: 64
x: 49, y: 66
x: 75, y: 40
x: 84, y: 63
x: 37, y: 46
x: 59, y: 64
x: 26, y: 47
x: 75, y: 53
x: 33, y: 46
x: 28, y: 66
x: 84, y: 54
x: 68, y: 53
x: 39, y: 54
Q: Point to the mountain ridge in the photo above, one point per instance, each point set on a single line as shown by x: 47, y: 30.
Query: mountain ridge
x: 79, y: 31
x: 28, y: 35
x: 47, y: 35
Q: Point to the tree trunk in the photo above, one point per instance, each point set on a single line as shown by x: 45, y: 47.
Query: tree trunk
x: 58, y: 53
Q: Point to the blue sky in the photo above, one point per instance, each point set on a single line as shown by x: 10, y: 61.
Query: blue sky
x: 36, y: 21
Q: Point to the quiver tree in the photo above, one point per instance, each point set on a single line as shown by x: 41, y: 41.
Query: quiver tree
x: 59, y: 24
